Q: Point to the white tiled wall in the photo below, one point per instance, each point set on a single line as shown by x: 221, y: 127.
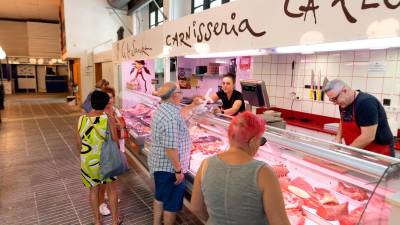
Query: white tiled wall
x: 350, y: 66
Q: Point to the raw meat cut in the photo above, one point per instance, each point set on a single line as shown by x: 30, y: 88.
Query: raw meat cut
x: 352, y: 218
x: 208, y: 148
x: 292, y: 201
x: 147, y: 120
x: 312, y: 203
x: 333, y: 211
x: 299, y: 192
x: 138, y: 110
x: 319, y: 197
x: 280, y: 170
x: 301, y: 188
x: 324, y: 196
x: 295, y: 217
x: 142, y: 129
x: 204, y: 139
x: 352, y: 192
x: 302, y: 184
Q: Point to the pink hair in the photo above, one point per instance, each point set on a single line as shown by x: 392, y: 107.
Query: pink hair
x: 245, y: 126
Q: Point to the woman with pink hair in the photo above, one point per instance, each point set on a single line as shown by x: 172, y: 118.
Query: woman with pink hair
x: 232, y: 187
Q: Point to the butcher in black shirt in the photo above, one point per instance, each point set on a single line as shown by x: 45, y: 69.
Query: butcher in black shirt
x: 232, y: 100
x: 363, y: 121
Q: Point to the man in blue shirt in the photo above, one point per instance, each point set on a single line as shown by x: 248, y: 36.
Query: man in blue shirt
x: 170, y: 152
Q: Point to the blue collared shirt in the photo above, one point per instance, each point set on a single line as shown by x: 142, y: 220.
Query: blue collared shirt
x: 168, y: 130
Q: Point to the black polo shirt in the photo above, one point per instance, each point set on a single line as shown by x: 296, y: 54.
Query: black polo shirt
x: 228, y: 103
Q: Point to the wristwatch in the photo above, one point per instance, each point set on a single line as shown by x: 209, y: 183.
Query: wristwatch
x: 178, y: 172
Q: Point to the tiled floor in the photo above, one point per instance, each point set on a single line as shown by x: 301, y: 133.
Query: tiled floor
x: 39, y: 169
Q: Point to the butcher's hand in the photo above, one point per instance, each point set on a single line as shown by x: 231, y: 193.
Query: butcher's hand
x: 198, y: 100
x: 179, y: 178
x: 338, y: 140
x: 216, y: 110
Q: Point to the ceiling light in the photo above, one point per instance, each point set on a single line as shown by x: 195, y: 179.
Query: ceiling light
x: 382, y: 43
x: 230, y: 54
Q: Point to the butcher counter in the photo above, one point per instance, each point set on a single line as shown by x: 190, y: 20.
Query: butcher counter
x: 322, y: 182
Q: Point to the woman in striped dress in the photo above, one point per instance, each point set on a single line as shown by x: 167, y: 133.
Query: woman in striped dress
x: 92, y: 130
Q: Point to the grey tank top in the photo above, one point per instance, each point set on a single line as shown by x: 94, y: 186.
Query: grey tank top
x: 231, y: 193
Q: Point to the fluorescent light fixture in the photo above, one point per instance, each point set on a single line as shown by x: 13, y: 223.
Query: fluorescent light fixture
x: 221, y: 61
x: 202, y: 48
x: 2, y: 53
x: 230, y: 54
x: 32, y: 61
x: 382, y: 43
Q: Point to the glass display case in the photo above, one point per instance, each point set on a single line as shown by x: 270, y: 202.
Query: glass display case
x: 322, y: 182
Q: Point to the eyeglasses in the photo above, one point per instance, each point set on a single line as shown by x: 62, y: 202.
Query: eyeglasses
x: 334, y: 99
x: 263, y: 140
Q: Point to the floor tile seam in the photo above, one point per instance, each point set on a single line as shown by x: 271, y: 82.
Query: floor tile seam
x: 25, y: 142
x: 45, y: 142
x: 58, y: 220
x: 70, y: 200
x: 69, y: 124
x: 54, y: 108
x: 141, y: 218
x: 41, y: 108
x: 60, y: 211
x: 37, y: 209
x: 30, y: 108
x: 65, y: 142
x: 38, y: 117
x: 139, y: 197
x: 62, y: 108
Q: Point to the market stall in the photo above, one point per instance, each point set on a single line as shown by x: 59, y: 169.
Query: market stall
x: 323, y: 182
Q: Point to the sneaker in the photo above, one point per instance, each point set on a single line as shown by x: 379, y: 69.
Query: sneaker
x: 104, y: 210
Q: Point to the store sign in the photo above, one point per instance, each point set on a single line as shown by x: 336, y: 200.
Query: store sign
x: 312, y: 6
x: 260, y: 24
x: 146, y: 45
x: 255, y: 24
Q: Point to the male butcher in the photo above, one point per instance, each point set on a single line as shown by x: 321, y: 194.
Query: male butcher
x: 170, y: 152
x: 363, y: 121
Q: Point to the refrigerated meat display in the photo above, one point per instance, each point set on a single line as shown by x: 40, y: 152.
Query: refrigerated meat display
x: 322, y: 182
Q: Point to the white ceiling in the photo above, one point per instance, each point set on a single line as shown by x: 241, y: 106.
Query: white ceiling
x: 46, y: 10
